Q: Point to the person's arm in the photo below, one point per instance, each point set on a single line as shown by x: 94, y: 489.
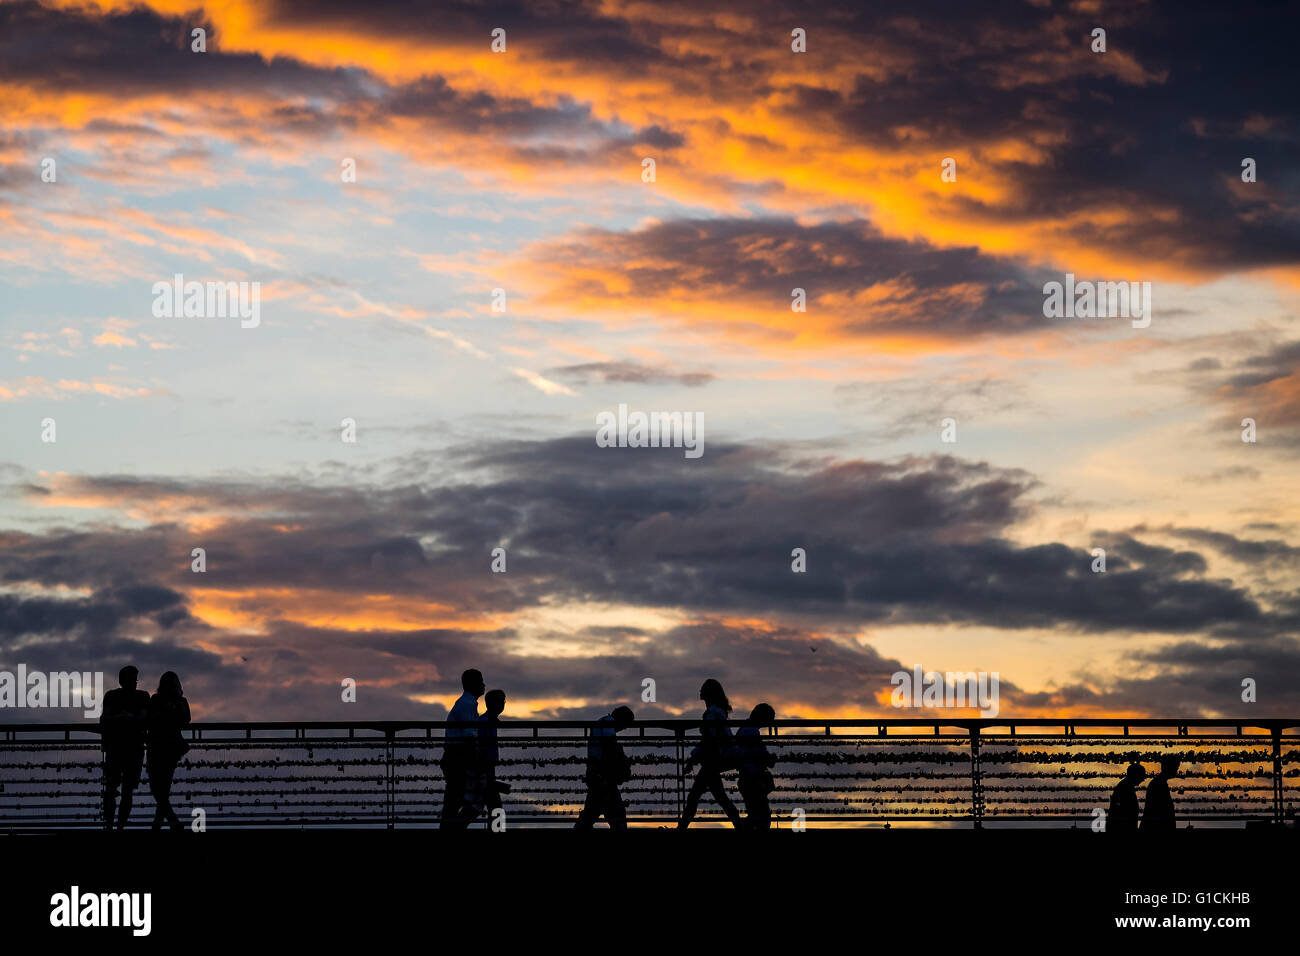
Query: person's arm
x: 707, y: 744
x: 185, y: 712
x: 624, y: 764
x: 694, y: 758
x: 117, y: 709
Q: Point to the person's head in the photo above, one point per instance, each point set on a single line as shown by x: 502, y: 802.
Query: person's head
x: 128, y: 677
x: 1169, y: 766
x: 762, y: 715
x: 496, y: 702
x: 169, y: 685
x: 1136, y: 772
x: 623, y: 718
x: 472, y: 681
x: 711, y: 693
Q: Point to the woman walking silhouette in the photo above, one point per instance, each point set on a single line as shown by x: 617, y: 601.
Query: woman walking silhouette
x: 713, y: 754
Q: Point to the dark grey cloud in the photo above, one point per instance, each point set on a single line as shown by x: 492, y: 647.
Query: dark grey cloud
x: 1272, y: 552
x: 627, y: 373
x: 910, y: 405
x: 476, y: 112
x: 1230, y: 473
x: 1264, y: 386
x: 76, y: 49
x: 755, y: 260
x: 919, y: 540
x: 1213, y: 90
x: 66, y: 50
x: 1197, y: 678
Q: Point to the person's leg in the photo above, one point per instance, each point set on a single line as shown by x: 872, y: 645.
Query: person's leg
x: 615, y: 809
x: 693, y: 799
x: 453, y: 794
x: 112, y: 778
x: 167, y: 771
x: 720, y: 795
x: 747, y: 796
x: 155, y: 788
x: 590, y: 811
x: 130, y: 780
x: 762, y: 815
x: 473, y: 801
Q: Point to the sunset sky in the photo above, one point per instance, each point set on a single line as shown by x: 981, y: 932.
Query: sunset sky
x: 522, y: 170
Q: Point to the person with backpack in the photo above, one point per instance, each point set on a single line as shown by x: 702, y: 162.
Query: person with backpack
x: 755, y: 763
x: 607, y: 769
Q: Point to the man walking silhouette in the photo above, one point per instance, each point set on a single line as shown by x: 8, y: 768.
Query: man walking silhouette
x: 1124, y: 802
x: 607, y: 769
x: 1158, y: 816
x: 460, y: 750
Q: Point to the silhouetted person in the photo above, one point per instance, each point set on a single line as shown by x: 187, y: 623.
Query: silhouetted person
x: 482, y: 789
x: 1123, y: 815
x: 607, y: 769
x: 123, y: 727
x: 1158, y: 814
x: 459, y: 750
x: 169, y: 711
x: 755, y: 765
x: 715, y: 746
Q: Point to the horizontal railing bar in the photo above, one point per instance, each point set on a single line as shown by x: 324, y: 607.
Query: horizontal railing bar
x: 680, y: 724
x: 562, y: 820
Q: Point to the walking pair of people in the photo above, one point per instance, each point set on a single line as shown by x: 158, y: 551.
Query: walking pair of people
x: 470, y: 755
x: 718, y: 751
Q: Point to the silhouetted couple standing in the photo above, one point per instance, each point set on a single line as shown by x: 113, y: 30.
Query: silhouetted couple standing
x: 130, y: 719
x: 1158, y: 815
x: 718, y: 752
x: 470, y: 755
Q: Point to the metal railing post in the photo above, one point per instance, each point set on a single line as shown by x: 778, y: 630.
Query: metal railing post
x: 678, y: 772
x: 390, y: 809
x: 976, y: 780
x: 1277, y: 775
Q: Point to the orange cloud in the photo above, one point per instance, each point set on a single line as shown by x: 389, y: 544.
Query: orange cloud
x: 254, y: 608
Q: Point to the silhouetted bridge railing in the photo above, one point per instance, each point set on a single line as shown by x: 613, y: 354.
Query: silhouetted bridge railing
x: 937, y: 771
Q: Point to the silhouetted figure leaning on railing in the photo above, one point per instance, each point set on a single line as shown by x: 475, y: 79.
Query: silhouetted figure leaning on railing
x: 123, y: 727
x: 714, y: 754
x: 1158, y: 815
x: 608, y: 768
x: 1123, y: 816
x: 169, y: 711
x: 460, y: 750
x: 755, y: 765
